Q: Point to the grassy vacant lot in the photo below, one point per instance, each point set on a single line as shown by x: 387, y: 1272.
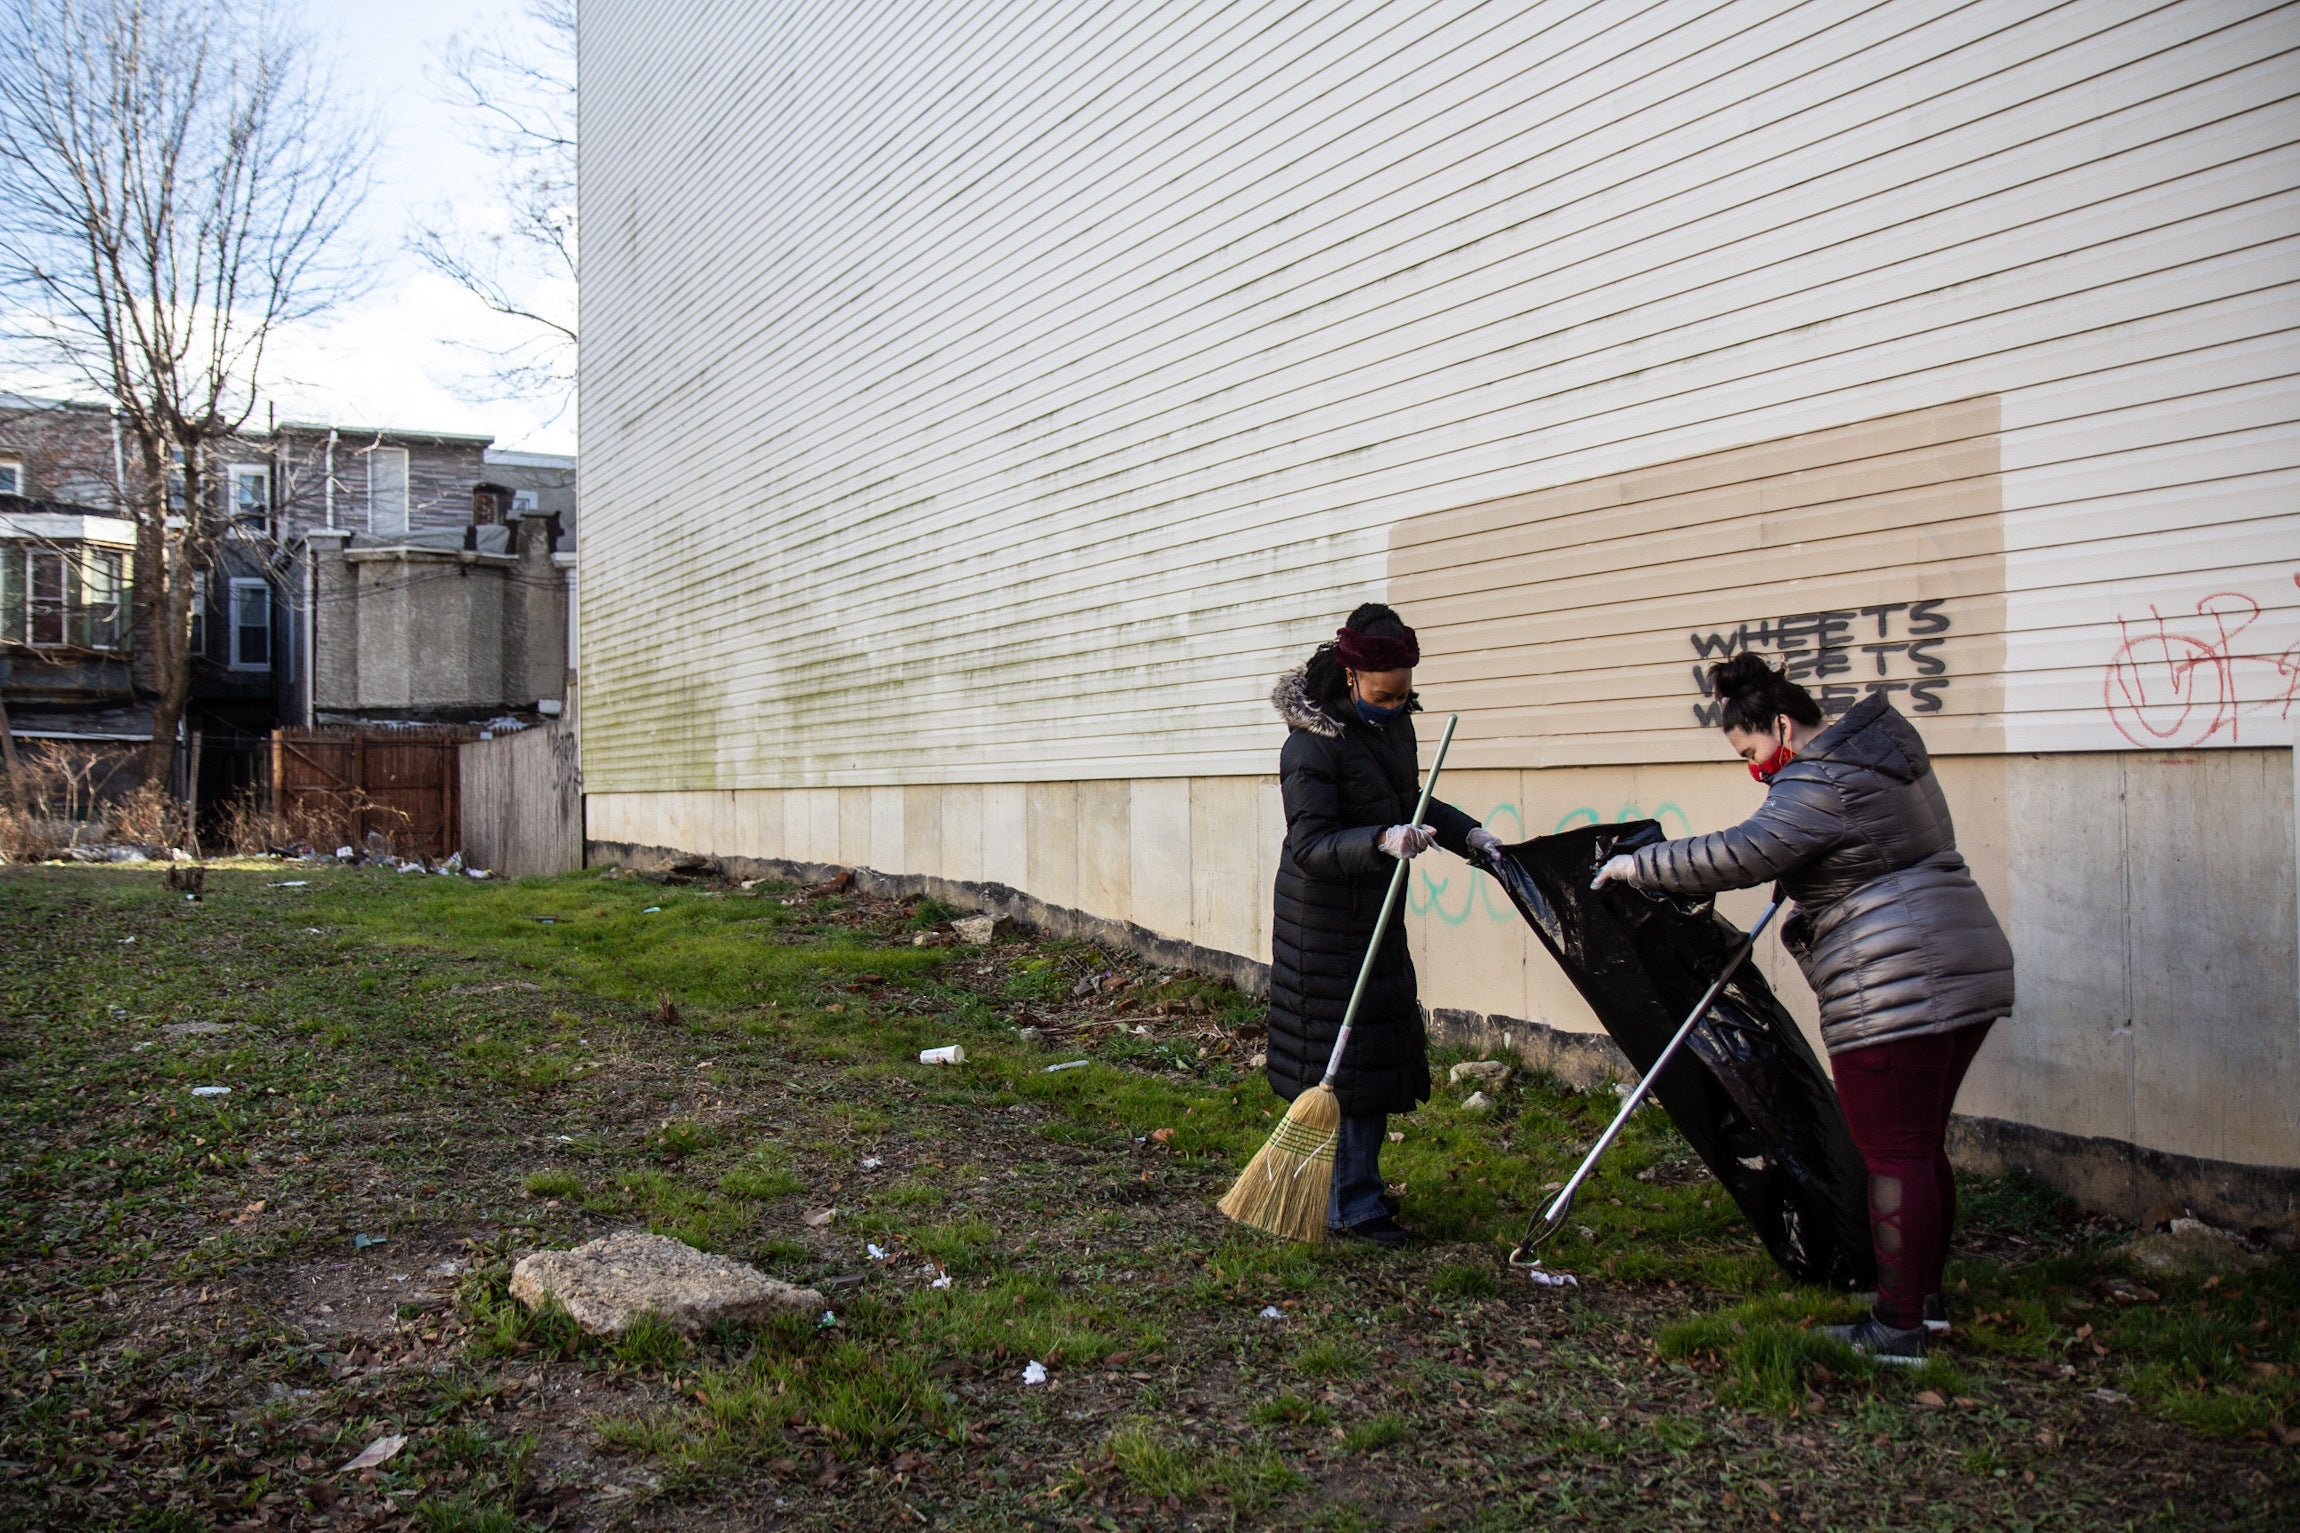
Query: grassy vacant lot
x: 209, y: 1304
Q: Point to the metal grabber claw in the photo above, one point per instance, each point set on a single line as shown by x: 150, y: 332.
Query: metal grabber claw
x: 1552, y: 1219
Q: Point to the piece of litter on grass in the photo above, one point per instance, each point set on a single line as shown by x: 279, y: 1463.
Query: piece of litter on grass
x: 374, y: 1453
x: 948, y: 1054
x: 1272, y: 1312
x: 877, y: 1251
x: 2110, y: 1396
x: 124, y: 941
x: 1035, y: 1373
x: 872, y: 1163
x: 1543, y: 1278
x: 362, y: 1242
x: 292, y: 883
x: 816, y: 1218
x: 1071, y: 1064
x: 940, y: 1282
x: 828, y: 1321
x: 312, y: 931
x: 652, y: 910
x: 1396, y: 1137
x: 211, y: 1091
x: 566, y: 1138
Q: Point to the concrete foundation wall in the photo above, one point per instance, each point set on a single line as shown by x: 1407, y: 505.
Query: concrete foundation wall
x: 2158, y: 938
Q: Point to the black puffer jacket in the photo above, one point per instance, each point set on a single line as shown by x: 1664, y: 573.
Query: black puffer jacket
x: 1345, y: 782
x: 1893, y: 934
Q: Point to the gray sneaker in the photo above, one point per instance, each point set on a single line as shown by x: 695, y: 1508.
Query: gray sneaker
x: 1886, y: 1343
x: 1936, y: 1315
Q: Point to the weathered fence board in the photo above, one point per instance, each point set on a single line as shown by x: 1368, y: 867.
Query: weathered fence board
x: 522, y: 797
x: 403, y: 786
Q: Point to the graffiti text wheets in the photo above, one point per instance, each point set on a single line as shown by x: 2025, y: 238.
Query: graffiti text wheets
x: 1840, y: 656
x: 2172, y: 687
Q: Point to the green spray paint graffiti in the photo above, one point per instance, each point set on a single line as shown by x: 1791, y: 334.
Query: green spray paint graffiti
x: 1428, y: 894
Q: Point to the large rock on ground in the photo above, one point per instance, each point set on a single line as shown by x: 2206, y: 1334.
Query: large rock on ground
x: 613, y: 1280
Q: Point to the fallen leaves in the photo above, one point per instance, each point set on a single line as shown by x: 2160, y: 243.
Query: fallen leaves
x: 381, y: 1451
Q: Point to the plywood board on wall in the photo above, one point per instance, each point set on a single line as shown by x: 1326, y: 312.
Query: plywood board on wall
x: 1574, y: 624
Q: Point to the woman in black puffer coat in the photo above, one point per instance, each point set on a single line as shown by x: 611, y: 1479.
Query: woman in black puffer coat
x: 1350, y: 779
x: 1892, y: 933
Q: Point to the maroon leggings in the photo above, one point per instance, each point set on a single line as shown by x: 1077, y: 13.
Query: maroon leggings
x: 1897, y: 1098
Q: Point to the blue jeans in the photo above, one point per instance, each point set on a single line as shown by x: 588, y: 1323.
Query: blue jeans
x: 1358, y: 1172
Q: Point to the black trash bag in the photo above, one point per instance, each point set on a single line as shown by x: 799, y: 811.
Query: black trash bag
x: 1745, y: 1089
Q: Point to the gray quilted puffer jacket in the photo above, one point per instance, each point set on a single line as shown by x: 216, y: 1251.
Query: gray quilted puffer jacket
x: 1893, y: 934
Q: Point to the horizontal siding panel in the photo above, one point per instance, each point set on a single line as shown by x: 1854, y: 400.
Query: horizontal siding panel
x: 1007, y: 393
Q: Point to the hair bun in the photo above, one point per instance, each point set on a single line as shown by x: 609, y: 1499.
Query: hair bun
x: 1745, y: 672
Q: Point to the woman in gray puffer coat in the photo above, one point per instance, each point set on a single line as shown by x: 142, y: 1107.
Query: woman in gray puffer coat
x: 1892, y: 933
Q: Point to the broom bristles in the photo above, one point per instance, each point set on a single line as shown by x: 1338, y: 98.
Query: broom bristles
x: 1286, y: 1187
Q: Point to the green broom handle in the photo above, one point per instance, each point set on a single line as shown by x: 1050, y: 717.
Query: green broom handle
x: 1389, y: 904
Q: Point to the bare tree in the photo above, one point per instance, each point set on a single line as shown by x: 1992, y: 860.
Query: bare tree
x: 177, y: 181
x: 516, y: 98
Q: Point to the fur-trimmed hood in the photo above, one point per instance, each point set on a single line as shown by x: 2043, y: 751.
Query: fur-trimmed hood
x: 1291, y: 698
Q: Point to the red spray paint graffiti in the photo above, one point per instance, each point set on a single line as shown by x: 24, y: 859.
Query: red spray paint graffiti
x: 2172, y: 689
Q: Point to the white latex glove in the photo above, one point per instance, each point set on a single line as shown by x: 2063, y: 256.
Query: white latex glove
x: 1407, y: 841
x: 1483, y: 840
x: 1621, y: 869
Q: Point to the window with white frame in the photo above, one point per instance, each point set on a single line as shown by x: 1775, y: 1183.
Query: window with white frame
x: 101, y: 621
x: 524, y: 503
x: 387, y: 489
x: 251, y: 625
x: 11, y: 476
x: 199, y: 639
x: 63, y: 598
x: 249, y: 493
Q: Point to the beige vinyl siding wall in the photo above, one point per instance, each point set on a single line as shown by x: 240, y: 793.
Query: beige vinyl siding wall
x: 984, y: 402
x: 1019, y: 352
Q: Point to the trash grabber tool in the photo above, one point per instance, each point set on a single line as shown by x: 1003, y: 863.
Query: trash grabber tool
x: 1551, y: 1219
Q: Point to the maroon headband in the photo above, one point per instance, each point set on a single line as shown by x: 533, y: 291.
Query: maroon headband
x: 1377, y: 652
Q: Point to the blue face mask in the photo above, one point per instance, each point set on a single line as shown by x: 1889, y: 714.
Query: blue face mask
x: 1377, y: 717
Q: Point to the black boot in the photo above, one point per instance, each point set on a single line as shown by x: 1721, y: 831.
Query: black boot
x: 1383, y: 1231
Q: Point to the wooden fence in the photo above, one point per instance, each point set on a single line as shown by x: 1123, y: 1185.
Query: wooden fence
x: 522, y: 797
x: 346, y: 783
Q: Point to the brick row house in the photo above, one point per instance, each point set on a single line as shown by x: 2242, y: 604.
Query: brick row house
x: 367, y: 576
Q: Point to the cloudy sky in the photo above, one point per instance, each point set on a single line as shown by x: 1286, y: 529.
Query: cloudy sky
x: 402, y: 354
x: 394, y: 358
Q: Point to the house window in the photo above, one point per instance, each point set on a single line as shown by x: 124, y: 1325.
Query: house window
x: 44, y: 579
x: 100, y: 620
x: 59, y: 598
x: 250, y: 488
x: 523, y: 503
x: 199, y: 613
x: 251, y: 626
x: 387, y: 489
x: 11, y: 477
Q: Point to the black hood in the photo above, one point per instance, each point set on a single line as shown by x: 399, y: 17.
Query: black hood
x: 1875, y: 736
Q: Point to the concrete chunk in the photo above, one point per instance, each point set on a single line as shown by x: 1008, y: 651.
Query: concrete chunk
x: 611, y: 1281
x: 977, y: 931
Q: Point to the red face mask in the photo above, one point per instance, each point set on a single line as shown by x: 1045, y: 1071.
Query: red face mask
x: 1764, y: 771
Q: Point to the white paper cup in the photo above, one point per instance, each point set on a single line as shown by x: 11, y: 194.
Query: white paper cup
x: 950, y: 1054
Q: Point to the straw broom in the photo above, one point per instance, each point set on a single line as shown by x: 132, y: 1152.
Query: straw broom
x: 1290, y: 1180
